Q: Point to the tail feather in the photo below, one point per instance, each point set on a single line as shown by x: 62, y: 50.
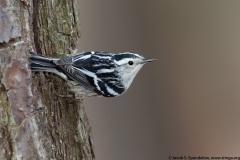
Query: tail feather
x: 41, y: 63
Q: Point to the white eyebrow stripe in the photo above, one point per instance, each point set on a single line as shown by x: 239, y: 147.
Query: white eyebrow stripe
x: 122, y: 61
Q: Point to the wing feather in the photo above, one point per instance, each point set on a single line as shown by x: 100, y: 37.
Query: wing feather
x: 71, y: 65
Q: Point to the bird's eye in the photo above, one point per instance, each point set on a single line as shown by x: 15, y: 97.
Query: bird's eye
x: 130, y: 63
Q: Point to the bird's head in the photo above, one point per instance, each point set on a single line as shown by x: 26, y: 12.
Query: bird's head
x: 128, y: 65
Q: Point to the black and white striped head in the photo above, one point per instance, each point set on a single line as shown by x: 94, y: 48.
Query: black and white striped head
x: 128, y: 65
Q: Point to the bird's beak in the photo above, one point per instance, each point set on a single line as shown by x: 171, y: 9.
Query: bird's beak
x: 148, y: 60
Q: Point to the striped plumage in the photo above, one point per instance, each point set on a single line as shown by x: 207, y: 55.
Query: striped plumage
x: 93, y: 73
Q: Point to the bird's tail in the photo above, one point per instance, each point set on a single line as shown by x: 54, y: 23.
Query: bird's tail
x: 41, y: 63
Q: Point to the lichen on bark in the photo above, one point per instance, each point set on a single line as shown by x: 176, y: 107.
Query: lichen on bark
x: 35, y: 122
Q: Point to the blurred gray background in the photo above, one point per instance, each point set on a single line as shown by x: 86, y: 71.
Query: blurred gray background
x: 185, y: 104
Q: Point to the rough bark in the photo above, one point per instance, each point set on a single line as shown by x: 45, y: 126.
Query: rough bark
x: 36, y: 122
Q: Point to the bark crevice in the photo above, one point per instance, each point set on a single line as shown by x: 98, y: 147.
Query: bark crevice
x: 34, y: 122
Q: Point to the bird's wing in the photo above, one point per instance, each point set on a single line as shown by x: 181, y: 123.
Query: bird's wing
x: 74, y: 64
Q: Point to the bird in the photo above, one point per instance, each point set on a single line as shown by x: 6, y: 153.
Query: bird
x: 94, y: 73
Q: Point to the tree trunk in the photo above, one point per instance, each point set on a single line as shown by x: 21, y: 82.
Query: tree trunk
x: 36, y: 121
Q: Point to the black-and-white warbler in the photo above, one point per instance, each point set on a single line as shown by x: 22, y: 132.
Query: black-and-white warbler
x: 93, y: 73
